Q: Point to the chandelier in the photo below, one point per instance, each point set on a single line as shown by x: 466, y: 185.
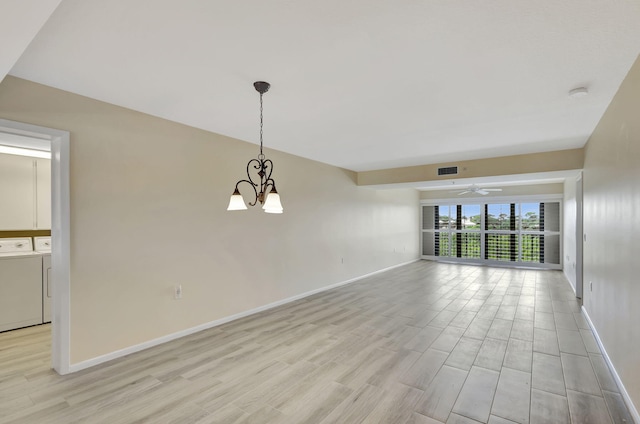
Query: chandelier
x: 264, y: 188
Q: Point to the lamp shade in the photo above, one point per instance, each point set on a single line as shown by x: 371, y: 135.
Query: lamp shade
x: 236, y: 203
x: 272, y: 204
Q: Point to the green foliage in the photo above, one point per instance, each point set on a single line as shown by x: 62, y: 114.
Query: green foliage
x: 498, y: 246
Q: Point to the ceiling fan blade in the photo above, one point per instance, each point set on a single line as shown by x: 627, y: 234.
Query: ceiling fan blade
x: 482, y: 191
x: 464, y: 192
x: 492, y: 189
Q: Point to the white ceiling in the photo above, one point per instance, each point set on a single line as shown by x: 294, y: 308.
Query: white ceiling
x: 361, y: 84
x: 20, y: 21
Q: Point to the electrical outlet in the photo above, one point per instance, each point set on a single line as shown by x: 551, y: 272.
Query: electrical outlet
x: 341, y: 260
x: 177, y: 293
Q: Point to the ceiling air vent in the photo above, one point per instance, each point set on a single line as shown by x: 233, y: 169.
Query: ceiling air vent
x: 450, y: 170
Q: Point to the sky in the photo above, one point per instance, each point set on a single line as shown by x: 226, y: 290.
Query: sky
x: 494, y: 209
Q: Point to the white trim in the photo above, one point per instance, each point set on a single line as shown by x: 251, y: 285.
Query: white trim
x: 627, y: 399
x: 60, y: 254
x: 454, y: 181
x: 20, y: 151
x: 498, y: 264
x: 169, y: 337
x: 492, y: 200
x: 564, y: 272
x: 579, y: 260
x: 60, y: 232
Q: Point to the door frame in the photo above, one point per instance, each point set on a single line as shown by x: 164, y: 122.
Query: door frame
x: 60, y: 237
x: 579, y: 236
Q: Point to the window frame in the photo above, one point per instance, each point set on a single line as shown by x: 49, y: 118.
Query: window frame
x: 482, y: 201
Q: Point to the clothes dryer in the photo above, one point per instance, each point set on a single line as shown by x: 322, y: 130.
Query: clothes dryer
x: 43, y: 246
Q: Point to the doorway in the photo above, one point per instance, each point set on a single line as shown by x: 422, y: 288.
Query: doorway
x: 60, y: 234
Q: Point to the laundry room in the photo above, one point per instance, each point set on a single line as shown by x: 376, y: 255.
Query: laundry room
x: 25, y: 231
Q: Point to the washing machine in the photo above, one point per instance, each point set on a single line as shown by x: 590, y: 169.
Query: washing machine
x: 43, y: 246
x: 20, y: 284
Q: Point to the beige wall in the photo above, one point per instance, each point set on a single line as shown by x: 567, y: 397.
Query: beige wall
x: 148, y: 200
x: 507, y: 191
x: 612, y: 226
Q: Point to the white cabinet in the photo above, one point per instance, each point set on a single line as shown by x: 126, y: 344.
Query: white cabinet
x: 25, y: 193
x: 17, y: 192
x: 20, y: 292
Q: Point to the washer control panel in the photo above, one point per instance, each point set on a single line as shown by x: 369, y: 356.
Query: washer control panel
x: 15, y: 245
x: 42, y: 244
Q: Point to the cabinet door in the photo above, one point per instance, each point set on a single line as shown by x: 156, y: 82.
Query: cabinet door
x: 43, y: 197
x: 16, y: 193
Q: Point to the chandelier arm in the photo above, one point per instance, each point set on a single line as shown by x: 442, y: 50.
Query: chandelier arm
x: 270, y: 183
x: 267, y: 165
x: 262, y: 167
x: 253, y: 186
x: 258, y: 165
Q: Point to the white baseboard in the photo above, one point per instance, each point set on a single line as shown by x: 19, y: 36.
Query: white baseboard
x: 570, y: 283
x: 564, y: 271
x: 169, y: 337
x: 627, y: 399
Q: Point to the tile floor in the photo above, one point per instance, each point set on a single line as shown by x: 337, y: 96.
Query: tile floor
x: 425, y: 343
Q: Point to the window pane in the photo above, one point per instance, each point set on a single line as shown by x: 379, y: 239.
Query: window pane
x: 428, y: 244
x: 531, y: 248
x: 499, y: 217
x: 552, y: 249
x: 469, y: 245
x: 541, y: 248
x: 552, y: 216
x: 442, y: 244
x: 530, y: 216
x: 471, y: 217
x: 444, y: 218
x: 501, y: 247
x: 428, y: 217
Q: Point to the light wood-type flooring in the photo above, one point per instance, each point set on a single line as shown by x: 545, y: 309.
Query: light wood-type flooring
x: 425, y: 343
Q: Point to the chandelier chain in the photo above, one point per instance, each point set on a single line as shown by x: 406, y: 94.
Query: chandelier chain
x: 261, y: 154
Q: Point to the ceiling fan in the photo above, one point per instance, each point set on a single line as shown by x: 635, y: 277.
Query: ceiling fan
x: 476, y: 190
